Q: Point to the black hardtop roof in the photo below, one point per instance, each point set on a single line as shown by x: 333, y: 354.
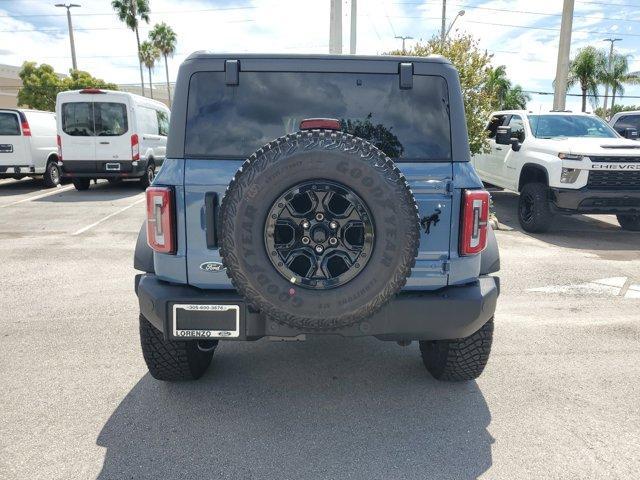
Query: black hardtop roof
x: 206, y: 55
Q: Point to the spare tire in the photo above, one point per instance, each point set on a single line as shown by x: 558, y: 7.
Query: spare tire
x: 318, y: 230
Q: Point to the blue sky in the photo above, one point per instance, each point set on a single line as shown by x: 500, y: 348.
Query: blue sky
x: 523, y: 35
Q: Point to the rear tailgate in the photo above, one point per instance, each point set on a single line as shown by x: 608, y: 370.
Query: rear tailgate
x: 13, y: 145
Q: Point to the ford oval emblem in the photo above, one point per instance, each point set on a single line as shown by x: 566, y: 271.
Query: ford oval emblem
x: 212, y: 267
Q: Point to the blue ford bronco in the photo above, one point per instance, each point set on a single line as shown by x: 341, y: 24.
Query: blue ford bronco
x: 316, y: 195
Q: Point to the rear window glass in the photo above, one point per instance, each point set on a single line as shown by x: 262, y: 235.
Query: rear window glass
x: 88, y: 119
x: 234, y: 121
x: 9, y: 124
x: 148, y: 121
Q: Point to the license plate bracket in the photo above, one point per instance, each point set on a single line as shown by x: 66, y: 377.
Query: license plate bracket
x: 113, y: 167
x: 199, y: 321
x: 6, y: 148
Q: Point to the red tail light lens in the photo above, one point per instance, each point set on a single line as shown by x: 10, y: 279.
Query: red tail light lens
x: 135, y: 147
x: 91, y: 90
x: 59, y: 142
x: 316, y: 123
x: 26, y: 130
x: 161, y: 223
x: 475, y: 218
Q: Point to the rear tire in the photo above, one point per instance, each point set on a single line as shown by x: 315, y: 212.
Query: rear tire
x: 171, y: 360
x: 629, y: 222
x: 461, y: 359
x: 81, y: 184
x: 149, y: 175
x: 51, y: 175
x: 534, y: 211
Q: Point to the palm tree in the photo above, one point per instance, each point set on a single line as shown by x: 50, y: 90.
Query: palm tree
x: 164, y: 39
x: 499, y: 84
x: 587, y: 69
x: 516, y: 99
x: 618, y: 75
x: 148, y: 55
x: 131, y: 12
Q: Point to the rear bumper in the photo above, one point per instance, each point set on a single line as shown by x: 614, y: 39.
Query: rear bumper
x: 11, y: 170
x: 102, y: 169
x: 451, y: 312
x: 587, y: 200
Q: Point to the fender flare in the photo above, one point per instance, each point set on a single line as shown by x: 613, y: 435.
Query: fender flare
x: 143, y: 256
x: 490, y: 256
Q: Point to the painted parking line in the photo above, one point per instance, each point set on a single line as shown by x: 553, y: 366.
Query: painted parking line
x: 104, y: 219
x: 41, y: 195
x: 613, y: 287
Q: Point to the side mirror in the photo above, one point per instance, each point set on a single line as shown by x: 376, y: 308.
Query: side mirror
x: 503, y: 136
x: 630, y: 133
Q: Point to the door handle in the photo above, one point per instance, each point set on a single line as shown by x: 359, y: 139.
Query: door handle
x: 104, y: 143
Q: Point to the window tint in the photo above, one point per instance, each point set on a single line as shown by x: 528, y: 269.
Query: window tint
x: 147, y: 121
x: 517, y: 127
x: 234, y: 121
x: 549, y: 126
x: 9, y: 124
x: 110, y: 119
x: 495, y: 122
x: 163, y: 123
x: 627, y: 121
x: 77, y: 119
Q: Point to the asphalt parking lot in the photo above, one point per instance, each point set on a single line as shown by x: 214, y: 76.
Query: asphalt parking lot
x: 560, y: 397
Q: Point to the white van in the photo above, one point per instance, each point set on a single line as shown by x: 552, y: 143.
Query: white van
x: 28, y: 145
x: 109, y: 134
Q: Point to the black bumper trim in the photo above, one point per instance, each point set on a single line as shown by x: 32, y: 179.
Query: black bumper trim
x: 451, y: 312
x: 97, y: 169
x: 588, y: 200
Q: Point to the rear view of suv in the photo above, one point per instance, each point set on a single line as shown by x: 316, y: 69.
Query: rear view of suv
x: 28, y: 145
x: 109, y: 134
x: 312, y: 196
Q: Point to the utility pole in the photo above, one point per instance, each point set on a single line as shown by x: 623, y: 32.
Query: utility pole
x: 443, y: 30
x: 564, y: 50
x: 354, y: 26
x: 606, y: 85
x: 335, y: 27
x: 73, y: 45
x: 403, y: 39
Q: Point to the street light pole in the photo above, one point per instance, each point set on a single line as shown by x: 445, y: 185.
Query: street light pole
x: 444, y: 21
x: 460, y: 14
x: 73, y: 45
x: 564, y: 50
x: 399, y: 37
x: 606, y: 85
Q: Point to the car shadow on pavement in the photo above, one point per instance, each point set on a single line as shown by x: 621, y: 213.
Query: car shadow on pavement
x: 327, y: 408
x: 20, y: 187
x: 572, y: 231
x: 97, y: 192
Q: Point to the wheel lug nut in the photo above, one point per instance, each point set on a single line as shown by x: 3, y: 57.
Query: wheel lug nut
x: 305, y: 240
x: 305, y: 224
x: 333, y: 241
x: 333, y: 225
x: 319, y: 248
x: 319, y: 216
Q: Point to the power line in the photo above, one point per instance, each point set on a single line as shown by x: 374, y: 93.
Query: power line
x: 159, y: 12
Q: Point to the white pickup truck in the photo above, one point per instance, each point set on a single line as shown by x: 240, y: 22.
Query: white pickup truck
x: 563, y: 162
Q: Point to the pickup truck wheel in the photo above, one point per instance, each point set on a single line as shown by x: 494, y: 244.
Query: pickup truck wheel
x: 461, y: 359
x: 81, y: 183
x: 319, y: 230
x: 51, y: 175
x: 170, y: 360
x: 629, y: 222
x: 534, y: 212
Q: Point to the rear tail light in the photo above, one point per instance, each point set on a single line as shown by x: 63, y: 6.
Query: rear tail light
x: 135, y: 147
x: 324, y: 123
x: 91, y: 90
x: 59, y: 142
x: 26, y: 130
x: 475, y: 218
x: 161, y: 223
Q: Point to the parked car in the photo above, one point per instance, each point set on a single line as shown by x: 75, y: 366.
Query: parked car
x: 562, y: 162
x: 320, y: 195
x: 110, y: 134
x: 627, y: 124
x: 28, y: 145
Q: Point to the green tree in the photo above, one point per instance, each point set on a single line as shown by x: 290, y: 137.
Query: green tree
x: 473, y: 65
x: 616, y: 109
x: 379, y: 135
x: 164, y: 39
x: 506, y: 96
x: 40, y: 85
x: 587, y: 70
x: 148, y: 56
x: 516, y: 99
x: 130, y: 12
x: 618, y: 75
